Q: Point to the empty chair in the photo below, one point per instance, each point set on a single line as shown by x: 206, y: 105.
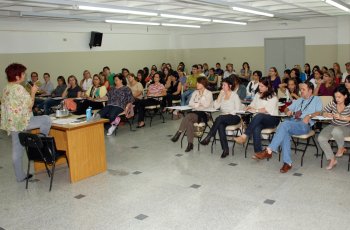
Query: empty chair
x: 41, y: 149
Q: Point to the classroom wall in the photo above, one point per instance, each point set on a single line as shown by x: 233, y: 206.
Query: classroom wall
x: 62, y: 49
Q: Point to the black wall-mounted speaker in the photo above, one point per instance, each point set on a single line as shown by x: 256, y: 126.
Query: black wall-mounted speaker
x: 95, y: 39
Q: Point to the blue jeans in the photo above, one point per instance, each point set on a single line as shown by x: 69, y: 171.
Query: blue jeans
x: 49, y: 103
x: 186, y: 96
x: 283, y: 137
x: 259, y: 122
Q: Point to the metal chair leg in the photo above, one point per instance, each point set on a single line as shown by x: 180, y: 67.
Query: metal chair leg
x: 313, y: 139
x: 302, y: 157
x: 27, y: 174
x: 322, y: 159
x: 52, y: 174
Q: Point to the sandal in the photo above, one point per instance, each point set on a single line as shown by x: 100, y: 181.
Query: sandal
x: 340, y: 152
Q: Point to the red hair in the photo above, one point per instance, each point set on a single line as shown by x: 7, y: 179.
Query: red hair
x: 14, y: 70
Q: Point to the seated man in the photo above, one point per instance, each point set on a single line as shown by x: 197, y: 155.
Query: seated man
x: 303, y: 110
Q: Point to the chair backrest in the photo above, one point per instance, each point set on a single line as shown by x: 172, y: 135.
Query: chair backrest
x: 38, y: 148
x: 325, y: 100
x: 218, y: 83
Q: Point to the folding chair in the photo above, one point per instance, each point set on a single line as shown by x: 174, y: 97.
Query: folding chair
x: 40, y: 148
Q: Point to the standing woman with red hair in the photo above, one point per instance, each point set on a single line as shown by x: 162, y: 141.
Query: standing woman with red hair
x: 17, y: 116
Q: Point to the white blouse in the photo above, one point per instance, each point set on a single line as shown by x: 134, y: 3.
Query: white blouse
x: 271, y: 104
x: 200, y: 102
x: 228, y: 106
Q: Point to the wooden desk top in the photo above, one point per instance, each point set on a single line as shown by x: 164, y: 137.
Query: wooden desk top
x: 77, y: 125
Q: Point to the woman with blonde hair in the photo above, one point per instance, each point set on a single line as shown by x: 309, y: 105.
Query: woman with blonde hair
x: 327, y: 85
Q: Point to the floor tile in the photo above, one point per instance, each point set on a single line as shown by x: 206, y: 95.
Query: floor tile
x: 141, y: 217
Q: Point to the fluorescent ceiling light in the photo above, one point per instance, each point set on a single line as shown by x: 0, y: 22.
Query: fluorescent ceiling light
x: 252, y: 11
x: 229, y: 22
x: 185, y: 17
x: 114, y: 10
x: 338, y: 5
x: 181, y: 25
x: 133, y: 22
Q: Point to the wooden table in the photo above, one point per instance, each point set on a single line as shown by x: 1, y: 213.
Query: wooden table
x: 85, y: 147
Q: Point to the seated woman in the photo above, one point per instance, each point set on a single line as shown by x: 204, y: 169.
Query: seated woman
x: 104, y: 80
x: 326, y: 86
x: 339, y: 110
x: 212, y: 80
x: 92, y: 96
x: 246, y: 73
x: 240, y: 89
x: 136, y: 88
x: 201, y: 99
x: 155, y: 91
x: 119, y: 100
x: 347, y: 83
x: 173, y: 86
x: 265, y: 105
x: 291, y: 92
x: 274, y: 78
x: 72, y: 91
x: 86, y: 82
x: 252, y: 87
x: 229, y: 103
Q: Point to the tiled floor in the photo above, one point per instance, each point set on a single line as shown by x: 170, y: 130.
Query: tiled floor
x: 153, y: 184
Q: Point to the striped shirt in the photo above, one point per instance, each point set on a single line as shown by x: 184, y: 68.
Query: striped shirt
x: 332, y: 108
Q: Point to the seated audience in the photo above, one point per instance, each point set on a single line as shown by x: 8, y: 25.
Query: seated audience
x: 245, y: 73
x: 206, y: 69
x: 135, y: 86
x: 72, y: 91
x: 92, y: 96
x: 295, y: 74
x: 104, y: 80
x: 347, y: 83
x: 240, y: 89
x: 34, y: 81
x: 173, y: 87
x: 155, y: 92
x: 292, y: 92
x: 201, y: 99
x: 212, y: 80
x: 303, y: 110
x: 86, y: 82
x: 339, y: 110
x: 119, y: 100
x: 307, y: 70
x: 252, y: 87
x: 229, y: 103
x: 110, y: 76
x: 274, y: 78
x: 337, y: 73
x: 326, y: 86
x: 47, y: 87
x: 218, y: 70
x: 317, y: 78
x: 347, y: 71
x: 190, y: 86
x: 229, y: 71
x: 302, y: 75
x: 265, y: 107
x: 57, y: 92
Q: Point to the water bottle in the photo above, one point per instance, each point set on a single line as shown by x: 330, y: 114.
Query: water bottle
x: 88, y: 114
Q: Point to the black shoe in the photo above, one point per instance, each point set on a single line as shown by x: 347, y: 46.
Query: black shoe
x: 28, y: 177
x: 176, y: 136
x: 189, y: 147
x: 225, y: 153
x: 141, y: 126
x: 206, y: 140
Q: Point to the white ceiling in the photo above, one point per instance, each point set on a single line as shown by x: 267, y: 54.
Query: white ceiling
x: 66, y: 10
